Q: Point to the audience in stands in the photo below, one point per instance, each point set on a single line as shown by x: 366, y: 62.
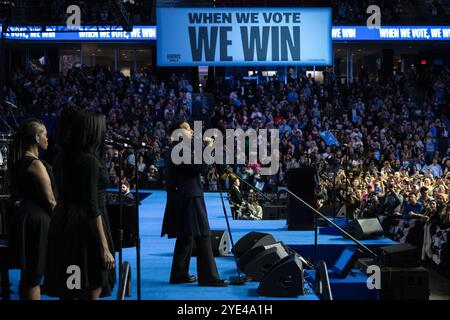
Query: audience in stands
x: 393, y: 133
x: 103, y: 11
x: 403, y: 12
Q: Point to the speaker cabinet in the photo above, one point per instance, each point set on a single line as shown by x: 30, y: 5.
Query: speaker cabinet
x: 301, y: 181
x: 274, y: 212
x: 257, y: 261
x: 405, y: 284
x: 219, y: 242
x: 284, y: 279
x: 252, y: 240
x: 402, y: 255
x: 363, y: 229
x: 129, y: 224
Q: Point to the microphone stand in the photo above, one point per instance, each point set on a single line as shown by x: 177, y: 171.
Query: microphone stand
x: 136, y: 146
x: 138, y: 239
x: 240, y: 280
x: 11, y: 107
x: 5, y: 122
x: 347, y: 200
x: 334, y: 184
x: 14, y: 118
x: 120, y: 231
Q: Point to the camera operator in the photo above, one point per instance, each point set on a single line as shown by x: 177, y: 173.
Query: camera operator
x: 392, y: 201
x: 391, y: 205
x: 371, y: 203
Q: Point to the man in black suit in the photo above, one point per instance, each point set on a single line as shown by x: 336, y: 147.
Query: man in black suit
x: 235, y: 193
x: 186, y: 219
x: 126, y: 192
x: 237, y: 200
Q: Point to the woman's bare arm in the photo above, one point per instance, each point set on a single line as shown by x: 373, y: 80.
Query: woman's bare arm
x: 107, y: 256
x: 40, y: 174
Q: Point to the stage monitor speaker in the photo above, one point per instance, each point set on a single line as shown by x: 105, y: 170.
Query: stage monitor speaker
x: 284, y: 279
x: 405, y: 284
x: 257, y: 261
x: 252, y: 240
x: 363, y: 229
x: 402, y: 255
x: 301, y: 181
x: 219, y: 242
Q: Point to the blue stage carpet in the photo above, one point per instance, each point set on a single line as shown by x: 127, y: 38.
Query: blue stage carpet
x: 156, y: 253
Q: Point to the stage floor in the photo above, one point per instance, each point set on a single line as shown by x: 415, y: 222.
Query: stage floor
x: 156, y: 253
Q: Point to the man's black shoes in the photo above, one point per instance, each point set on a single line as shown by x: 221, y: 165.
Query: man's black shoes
x: 189, y: 279
x: 213, y: 283
x: 207, y: 283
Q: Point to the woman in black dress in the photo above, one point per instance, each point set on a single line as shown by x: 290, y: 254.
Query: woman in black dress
x: 32, y: 186
x: 80, y: 234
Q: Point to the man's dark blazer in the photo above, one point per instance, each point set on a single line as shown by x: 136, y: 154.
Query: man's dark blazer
x: 185, y: 213
x: 236, y: 196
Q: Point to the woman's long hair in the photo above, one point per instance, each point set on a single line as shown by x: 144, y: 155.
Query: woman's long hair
x: 64, y: 126
x: 23, y: 139
x: 87, y: 135
x: 63, y: 131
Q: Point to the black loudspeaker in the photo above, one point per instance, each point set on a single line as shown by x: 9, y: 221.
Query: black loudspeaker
x: 363, y: 229
x: 274, y: 212
x: 219, y: 242
x: 284, y: 279
x: 402, y: 255
x: 258, y: 261
x: 301, y: 181
x: 405, y: 284
x: 129, y: 224
x: 251, y: 240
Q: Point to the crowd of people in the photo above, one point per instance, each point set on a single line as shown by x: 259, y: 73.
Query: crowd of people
x: 393, y: 155
x: 344, y: 12
x: 392, y: 11
x: 397, y: 125
x: 104, y: 11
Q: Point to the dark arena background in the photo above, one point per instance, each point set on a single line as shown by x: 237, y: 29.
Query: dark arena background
x: 355, y: 96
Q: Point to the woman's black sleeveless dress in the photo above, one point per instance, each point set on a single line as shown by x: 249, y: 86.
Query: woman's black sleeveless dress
x: 74, y: 245
x: 29, y: 225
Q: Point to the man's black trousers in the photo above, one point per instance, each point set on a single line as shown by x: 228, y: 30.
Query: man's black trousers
x: 206, y: 265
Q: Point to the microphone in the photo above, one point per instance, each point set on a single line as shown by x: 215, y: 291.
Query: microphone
x: 10, y: 104
x: 135, y: 144
x: 6, y: 140
x: 118, y: 137
x: 209, y: 140
x: 117, y: 144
